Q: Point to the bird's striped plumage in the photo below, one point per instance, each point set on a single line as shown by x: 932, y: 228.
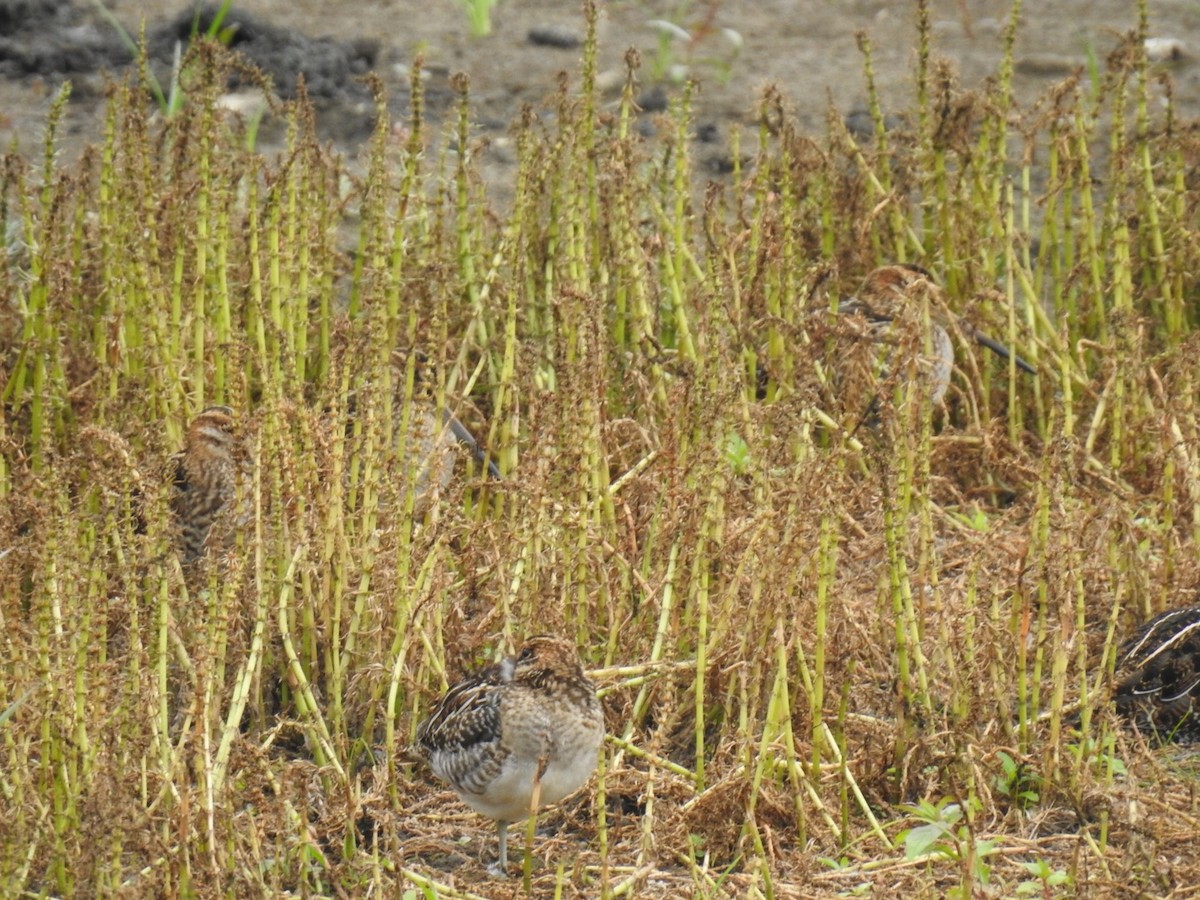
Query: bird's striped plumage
x: 205, y: 478
x: 529, y: 723
x: 1158, y: 676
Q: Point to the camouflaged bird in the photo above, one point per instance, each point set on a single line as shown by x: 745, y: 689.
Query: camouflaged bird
x: 890, y: 296
x: 435, y: 447
x: 205, y: 479
x: 1158, y: 676
x: 523, y: 732
x: 434, y: 440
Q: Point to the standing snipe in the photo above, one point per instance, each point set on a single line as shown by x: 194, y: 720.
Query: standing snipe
x: 205, y: 476
x: 436, y: 448
x: 434, y: 440
x: 517, y: 736
x: 890, y: 296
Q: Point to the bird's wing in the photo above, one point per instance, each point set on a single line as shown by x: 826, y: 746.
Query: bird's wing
x: 462, y: 736
x: 467, y: 714
x: 1158, y: 670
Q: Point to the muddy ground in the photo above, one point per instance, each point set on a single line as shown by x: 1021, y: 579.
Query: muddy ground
x: 807, y: 47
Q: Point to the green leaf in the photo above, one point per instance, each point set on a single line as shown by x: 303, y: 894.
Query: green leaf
x: 737, y: 453
x: 8, y: 712
x: 922, y: 840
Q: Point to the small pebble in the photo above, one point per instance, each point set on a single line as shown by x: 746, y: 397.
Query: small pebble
x: 1047, y: 64
x: 502, y: 149
x: 610, y: 81
x: 723, y: 165
x: 653, y: 100
x: 247, y: 103
x: 678, y: 73
x: 1160, y: 49
x: 860, y: 124
x: 563, y: 37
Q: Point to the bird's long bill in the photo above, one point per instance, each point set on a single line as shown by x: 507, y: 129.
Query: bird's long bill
x: 999, y: 349
x: 853, y: 305
x: 467, y: 439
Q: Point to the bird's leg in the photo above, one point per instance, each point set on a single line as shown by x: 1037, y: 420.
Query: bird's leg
x: 500, y: 868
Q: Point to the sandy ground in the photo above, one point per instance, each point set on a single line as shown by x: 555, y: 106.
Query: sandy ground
x: 807, y: 47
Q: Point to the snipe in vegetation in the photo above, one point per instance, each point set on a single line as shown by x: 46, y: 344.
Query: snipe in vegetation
x: 205, y: 478
x: 1158, y: 676
x: 435, y: 444
x: 891, y: 296
x: 517, y: 736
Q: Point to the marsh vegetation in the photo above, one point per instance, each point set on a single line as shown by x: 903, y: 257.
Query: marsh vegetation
x: 836, y: 656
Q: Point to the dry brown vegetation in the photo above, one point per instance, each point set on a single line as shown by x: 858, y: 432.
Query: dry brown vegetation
x: 816, y: 635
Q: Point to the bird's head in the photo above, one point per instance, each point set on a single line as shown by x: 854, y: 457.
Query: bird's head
x: 214, y: 425
x: 544, y: 657
x: 888, y: 291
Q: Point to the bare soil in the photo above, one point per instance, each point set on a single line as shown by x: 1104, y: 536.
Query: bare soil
x: 810, y: 50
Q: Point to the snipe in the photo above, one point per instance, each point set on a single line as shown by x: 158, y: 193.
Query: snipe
x: 889, y: 300
x: 517, y: 736
x: 205, y: 479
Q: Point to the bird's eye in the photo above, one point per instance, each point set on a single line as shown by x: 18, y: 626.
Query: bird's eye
x: 525, y: 655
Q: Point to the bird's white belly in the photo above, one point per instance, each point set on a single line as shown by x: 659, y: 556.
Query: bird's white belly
x: 510, y: 794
